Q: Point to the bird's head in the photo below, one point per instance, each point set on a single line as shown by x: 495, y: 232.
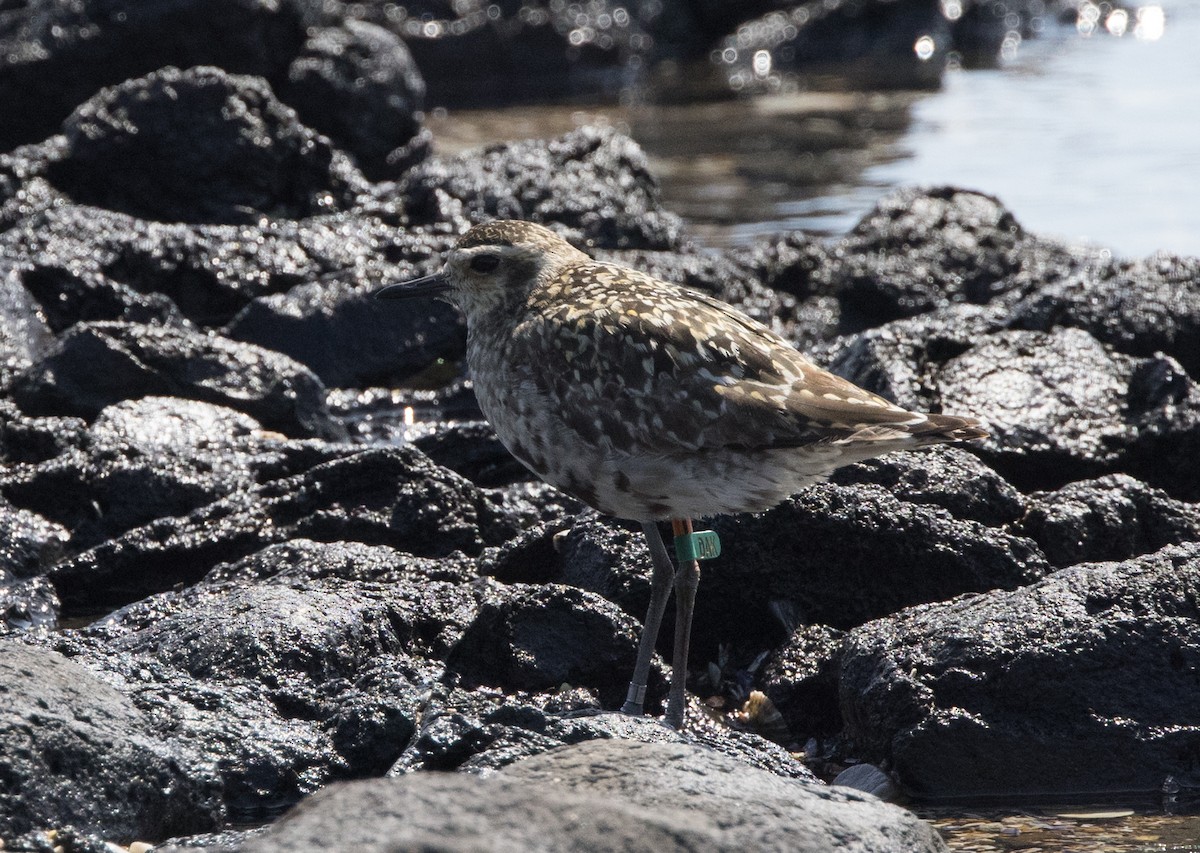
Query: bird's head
x: 493, y: 269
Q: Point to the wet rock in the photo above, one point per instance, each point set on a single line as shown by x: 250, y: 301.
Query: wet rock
x: 68, y: 297
x: 801, y: 679
x: 353, y: 561
x: 484, y: 730
x: 29, y: 544
x: 1138, y: 308
x: 1111, y: 518
x: 392, y: 496
x: 27, y: 604
x: 796, y: 271
x: 379, y: 415
x: 357, y: 84
x: 841, y: 555
x: 606, y: 795
x: 946, y: 476
x: 835, y: 555
x: 473, y: 450
x: 88, y: 45
x: 85, y: 263
x: 1081, y: 682
x: 869, y: 778
x: 152, y: 458
x: 24, y: 335
x: 290, y: 682
x: 903, y: 360
x: 532, y: 503
x: 1061, y: 406
x: 199, y: 146
x: 534, y: 556
x: 537, y: 638
x: 348, y: 338
x: 923, y: 249
x: 26, y: 439
x: 592, y: 180
x: 918, y: 249
x: 75, y: 751
x: 605, y: 556
x: 95, y: 365
x: 534, y: 54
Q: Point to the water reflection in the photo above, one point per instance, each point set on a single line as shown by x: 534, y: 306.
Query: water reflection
x: 1091, y: 139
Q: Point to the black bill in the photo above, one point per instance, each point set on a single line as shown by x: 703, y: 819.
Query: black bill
x: 430, y: 285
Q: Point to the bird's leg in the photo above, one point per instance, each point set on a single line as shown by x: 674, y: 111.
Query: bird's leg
x: 686, y: 582
x: 660, y: 590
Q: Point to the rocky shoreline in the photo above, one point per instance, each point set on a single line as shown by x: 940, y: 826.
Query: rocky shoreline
x: 258, y: 542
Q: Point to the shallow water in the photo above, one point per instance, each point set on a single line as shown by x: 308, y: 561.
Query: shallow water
x: 1088, y: 138
x: 1030, y: 831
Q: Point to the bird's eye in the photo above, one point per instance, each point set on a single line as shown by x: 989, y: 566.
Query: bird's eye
x: 485, y: 263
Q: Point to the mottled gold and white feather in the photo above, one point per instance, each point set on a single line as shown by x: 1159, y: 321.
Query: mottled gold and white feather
x: 646, y: 400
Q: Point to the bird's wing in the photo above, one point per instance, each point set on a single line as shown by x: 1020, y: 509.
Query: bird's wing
x: 637, y: 365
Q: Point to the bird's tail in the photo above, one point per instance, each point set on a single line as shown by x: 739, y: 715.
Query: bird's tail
x: 937, y: 428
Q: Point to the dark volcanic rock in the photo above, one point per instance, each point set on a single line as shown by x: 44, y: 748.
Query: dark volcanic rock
x: 29, y: 544
x: 836, y: 555
x: 945, y: 476
x: 26, y: 439
x: 918, y: 249
x: 1084, y: 682
x: 1059, y: 405
x: 903, y: 360
x: 841, y: 555
x: 24, y: 334
x: 592, y: 180
x: 348, y: 338
x: 69, y: 296
x: 310, y: 560
x: 151, y: 458
x: 27, y: 603
x: 537, y: 638
x: 73, y: 750
x: 484, y: 730
x: 922, y: 249
x: 200, y: 146
x: 83, y: 263
x: 1138, y: 308
x: 603, y: 795
x: 534, y: 53
x: 472, y: 449
x: 91, y: 44
x: 393, y: 497
x: 290, y: 682
x: 1112, y: 518
x: 97, y: 364
x: 801, y: 679
x: 358, y: 85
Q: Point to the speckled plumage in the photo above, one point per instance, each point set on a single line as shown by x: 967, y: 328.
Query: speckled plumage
x: 650, y: 401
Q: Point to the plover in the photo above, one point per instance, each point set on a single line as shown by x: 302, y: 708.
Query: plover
x: 652, y: 402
